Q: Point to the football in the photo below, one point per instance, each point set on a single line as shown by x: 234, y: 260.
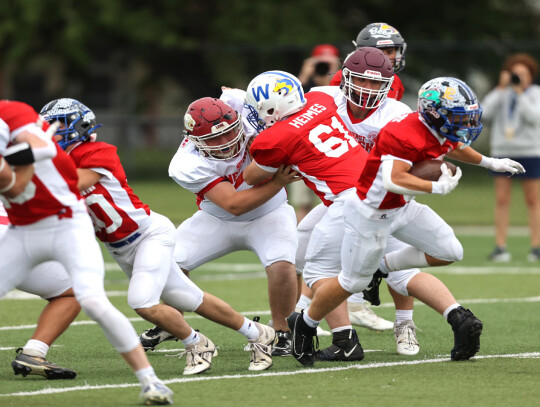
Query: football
x: 430, y: 170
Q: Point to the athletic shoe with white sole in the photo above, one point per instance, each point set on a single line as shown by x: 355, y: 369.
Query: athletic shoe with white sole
x: 305, y: 339
x: 500, y: 255
x: 405, y: 334
x: 283, y: 345
x: 156, y: 394
x: 198, y: 356
x: 153, y: 337
x: 467, y: 330
x: 362, y: 315
x: 26, y: 364
x: 260, y: 357
x: 345, y: 348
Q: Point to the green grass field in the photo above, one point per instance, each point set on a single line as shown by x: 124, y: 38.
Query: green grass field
x: 505, y: 373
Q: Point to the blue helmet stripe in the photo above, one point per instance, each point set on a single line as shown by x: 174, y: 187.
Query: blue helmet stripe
x: 292, y: 78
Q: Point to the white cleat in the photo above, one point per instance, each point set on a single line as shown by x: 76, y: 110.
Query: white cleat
x: 156, y: 394
x: 405, y: 334
x: 362, y: 315
x: 261, y: 348
x: 199, y: 356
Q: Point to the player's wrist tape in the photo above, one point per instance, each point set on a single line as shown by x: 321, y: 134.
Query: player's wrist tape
x: 19, y: 154
x: 437, y: 187
x: 43, y: 153
x: 486, y: 162
x: 10, y: 185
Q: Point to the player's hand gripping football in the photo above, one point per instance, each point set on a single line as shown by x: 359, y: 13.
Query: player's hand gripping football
x: 504, y: 165
x: 285, y: 175
x: 446, y: 182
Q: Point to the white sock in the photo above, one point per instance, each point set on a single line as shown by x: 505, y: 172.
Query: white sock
x: 192, y: 338
x: 357, y: 298
x: 249, y: 330
x: 403, y: 315
x: 146, y: 375
x: 303, y: 302
x: 450, y: 308
x: 342, y: 328
x: 310, y: 322
x: 382, y: 266
x: 407, y: 258
x: 36, y: 348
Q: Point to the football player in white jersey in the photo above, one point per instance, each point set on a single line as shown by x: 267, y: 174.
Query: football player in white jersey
x: 234, y: 216
x: 447, y: 121
x: 48, y: 213
x: 142, y: 243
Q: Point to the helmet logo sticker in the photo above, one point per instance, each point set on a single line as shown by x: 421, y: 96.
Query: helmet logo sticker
x: 260, y: 91
x: 284, y: 84
x: 383, y: 31
x: 449, y: 93
x: 189, y: 122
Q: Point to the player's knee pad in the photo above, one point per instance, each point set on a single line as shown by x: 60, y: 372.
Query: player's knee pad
x: 399, y: 280
x: 144, y: 291
x: 95, y: 306
x: 186, y: 298
x: 356, y: 284
x: 454, y: 251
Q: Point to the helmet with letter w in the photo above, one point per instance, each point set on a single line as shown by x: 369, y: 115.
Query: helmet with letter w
x: 450, y: 107
x: 271, y: 96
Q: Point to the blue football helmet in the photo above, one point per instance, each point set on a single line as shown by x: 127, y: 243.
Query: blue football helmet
x: 77, y: 122
x: 451, y: 108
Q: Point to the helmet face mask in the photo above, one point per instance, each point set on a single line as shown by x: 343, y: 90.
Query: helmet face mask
x: 367, y: 66
x: 450, y: 107
x: 382, y: 35
x: 215, y: 128
x: 272, y: 96
x: 77, y: 122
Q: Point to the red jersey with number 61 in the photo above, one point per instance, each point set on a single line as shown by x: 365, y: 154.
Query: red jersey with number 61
x: 53, y: 188
x: 316, y: 142
x: 113, y: 206
x: 405, y: 138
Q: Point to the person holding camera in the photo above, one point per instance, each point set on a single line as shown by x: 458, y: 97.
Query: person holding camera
x: 319, y: 69
x: 513, y: 107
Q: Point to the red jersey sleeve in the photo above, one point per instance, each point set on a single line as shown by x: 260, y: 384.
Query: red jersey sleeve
x: 17, y: 114
x: 336, y: 79
x: 267, y: 149
x: 101, y: 155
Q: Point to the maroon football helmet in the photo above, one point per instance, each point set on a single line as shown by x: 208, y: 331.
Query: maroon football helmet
x: 371, y: 64
x: 215, y: 128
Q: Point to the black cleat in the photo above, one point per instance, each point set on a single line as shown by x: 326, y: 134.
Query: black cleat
x: 345, y: 348
x: 25, y: 365
x: 371, y: 293
x: 303, y: 347
x: 153, y: 337
x: 283, y: 346
x: 467, y: 330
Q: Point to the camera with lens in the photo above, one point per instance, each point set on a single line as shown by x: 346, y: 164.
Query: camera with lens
x: 515, y: 79
x: 322, y: 68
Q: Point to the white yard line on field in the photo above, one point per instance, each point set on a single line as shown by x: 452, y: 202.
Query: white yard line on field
x: 267, y: 312
x: 532, y: 355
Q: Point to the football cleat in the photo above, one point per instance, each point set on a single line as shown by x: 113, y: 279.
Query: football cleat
x: 467, y: 330
x: 500, y: 255
x: 153, y: 337
x: 25, y: 365
x: 345, y: 348
x: 363, y: 316
x: 305, y: 339
x: 371, y: 293
x: 406, y: 342
x: 261, y: 348
x: 156, y: 394
x: 199, y: 356
x: 283, y: 346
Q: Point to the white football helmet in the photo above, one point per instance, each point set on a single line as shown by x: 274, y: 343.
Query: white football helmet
x: 271, y: 96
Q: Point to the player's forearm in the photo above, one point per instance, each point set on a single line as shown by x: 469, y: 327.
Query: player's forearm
x: 249, y: 199
x: 467, y: 155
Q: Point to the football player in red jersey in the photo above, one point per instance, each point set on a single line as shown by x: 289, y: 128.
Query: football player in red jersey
x: 447, y: 121
x: 388, y: 40
x: 46, y: 215
x: 142, y: 243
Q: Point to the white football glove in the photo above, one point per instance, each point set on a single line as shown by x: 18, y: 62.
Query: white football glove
x: 502, y: 165
x: 446, y: 182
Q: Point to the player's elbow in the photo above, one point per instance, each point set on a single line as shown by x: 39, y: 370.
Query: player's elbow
x: 387, y: 183
x: 237, y: 209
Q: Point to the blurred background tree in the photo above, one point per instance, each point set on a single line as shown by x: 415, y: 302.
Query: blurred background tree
x: 138, y: 64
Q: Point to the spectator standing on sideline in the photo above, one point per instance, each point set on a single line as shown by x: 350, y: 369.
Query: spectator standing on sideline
x: 514, y: 109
